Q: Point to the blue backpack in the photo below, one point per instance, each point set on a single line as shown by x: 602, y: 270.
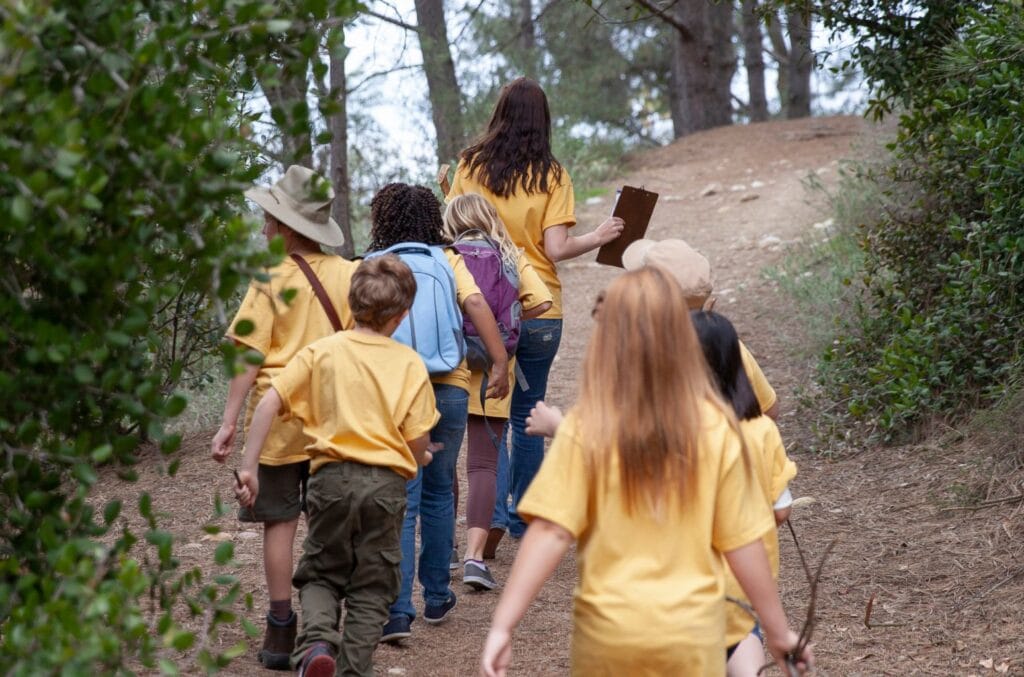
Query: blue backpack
x: 433, y: 327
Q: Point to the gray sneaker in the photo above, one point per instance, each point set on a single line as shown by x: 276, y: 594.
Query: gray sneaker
x: 454, y: 562
x: 477, y: 576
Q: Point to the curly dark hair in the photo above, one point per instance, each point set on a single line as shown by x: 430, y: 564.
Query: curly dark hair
x: 403, y: 213
x: 516, y: 148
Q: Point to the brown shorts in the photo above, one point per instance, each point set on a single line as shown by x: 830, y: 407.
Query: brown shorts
x: 282, y: 494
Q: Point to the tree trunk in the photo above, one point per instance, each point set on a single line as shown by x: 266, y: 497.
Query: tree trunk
x: 780, y: 51
x: 338, y: 123
x: 442, y: 86
x: 528, y: 37
x: 286, y: 94
x: 703, y: 63
x: 753, y: 59
x: 801, y: 61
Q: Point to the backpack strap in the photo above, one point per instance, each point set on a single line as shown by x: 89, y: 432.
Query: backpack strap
x: 319, y: 290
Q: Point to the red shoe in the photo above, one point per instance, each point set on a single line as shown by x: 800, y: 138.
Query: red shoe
x: 317, y: 662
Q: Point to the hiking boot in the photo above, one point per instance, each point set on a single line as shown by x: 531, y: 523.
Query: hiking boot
x: 397, y: 628
x: 437, y: 613
x: 494, y: 536
x: 454, y: 563
x: 318, y: 661
x: 278, y: 643
x: 476, y: 575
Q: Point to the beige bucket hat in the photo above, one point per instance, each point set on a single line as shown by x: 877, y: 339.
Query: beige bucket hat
x: 687, y: 265
x: 302, y: 201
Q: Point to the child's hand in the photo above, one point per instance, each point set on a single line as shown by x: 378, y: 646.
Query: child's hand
x: 497, y: 381
x: 778, y: 649
x: 247, y: 488
x: 543, y: 420
x: 610, y: 229
x: 497, y: 654
x: 223, y: 443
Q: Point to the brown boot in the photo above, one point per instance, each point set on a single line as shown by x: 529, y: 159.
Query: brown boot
x: 494, y: 536
x: 278, y: 643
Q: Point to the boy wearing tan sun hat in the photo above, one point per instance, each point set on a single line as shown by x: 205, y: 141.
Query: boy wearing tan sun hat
x: 693, y: 272
x: 298, y: 209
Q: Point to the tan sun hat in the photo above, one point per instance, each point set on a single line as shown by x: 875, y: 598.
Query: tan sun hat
x: 302, y: 201
x: 689, y: 266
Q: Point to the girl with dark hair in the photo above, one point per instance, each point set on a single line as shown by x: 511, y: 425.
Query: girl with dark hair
x: 772, y: 468
x: 512, y: 166
x: 647, y: 475
x: 403, y: 213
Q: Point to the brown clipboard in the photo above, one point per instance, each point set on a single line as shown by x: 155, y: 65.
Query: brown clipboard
x: 634, y: 206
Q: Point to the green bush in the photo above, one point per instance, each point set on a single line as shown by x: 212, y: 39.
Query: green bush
x: 937, y: 329
x: 122, y: 162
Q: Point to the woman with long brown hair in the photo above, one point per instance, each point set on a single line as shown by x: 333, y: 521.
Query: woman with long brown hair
x: 648, y: 475
x: 511, y: 165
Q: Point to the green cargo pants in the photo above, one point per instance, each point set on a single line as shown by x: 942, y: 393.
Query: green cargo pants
x: 352, y: 553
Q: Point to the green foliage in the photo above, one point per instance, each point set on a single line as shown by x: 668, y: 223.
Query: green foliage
x: 122, y: 163
x: 937, y: 330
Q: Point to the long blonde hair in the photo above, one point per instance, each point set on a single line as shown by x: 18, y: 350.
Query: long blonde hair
x: 643, y: 384
x: 473, y: 212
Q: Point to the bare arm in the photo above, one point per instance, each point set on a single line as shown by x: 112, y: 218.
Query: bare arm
x: 475, y: 306
x: 544, y: 546
x: 749, y: 564
x: 559, y: 245
x: 773, y: 411
x: 248, y: 487
x: 782, y: 514
x: 537, y: 311
x: 420, y: 448
x: 224, y: 440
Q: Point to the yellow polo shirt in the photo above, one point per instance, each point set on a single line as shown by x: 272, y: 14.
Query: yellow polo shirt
x: 532, y: 293
x: 773, y: 470
x: 282, y: 329
x: 359, y: 397
x: 526, y: 217
x: 642, y: 571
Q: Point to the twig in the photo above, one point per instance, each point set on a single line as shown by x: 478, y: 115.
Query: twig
x: 985, y: 504
x: 867, y: 616
x: 994, y: 586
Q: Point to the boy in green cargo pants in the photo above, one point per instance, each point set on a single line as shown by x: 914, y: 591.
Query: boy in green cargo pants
x: 366, y: 407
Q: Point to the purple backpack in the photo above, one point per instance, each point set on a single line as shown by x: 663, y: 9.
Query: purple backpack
x: 498, y: 283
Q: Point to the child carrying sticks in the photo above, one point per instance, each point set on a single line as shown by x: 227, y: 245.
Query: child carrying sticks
x: 650, y: 450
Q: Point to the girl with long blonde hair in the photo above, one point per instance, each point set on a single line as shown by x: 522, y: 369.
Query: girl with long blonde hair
x: 471, y: 220
x: 647, y: 473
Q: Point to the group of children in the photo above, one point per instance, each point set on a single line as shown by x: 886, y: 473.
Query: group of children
x: 668, y: 467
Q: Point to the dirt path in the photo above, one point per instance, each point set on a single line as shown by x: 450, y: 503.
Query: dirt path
x: 737, y: 194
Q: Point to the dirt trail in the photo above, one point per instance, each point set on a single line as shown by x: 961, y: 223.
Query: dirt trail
x: 738, y: 194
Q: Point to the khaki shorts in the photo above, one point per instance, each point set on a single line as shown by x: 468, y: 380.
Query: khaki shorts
x: 282, y: 496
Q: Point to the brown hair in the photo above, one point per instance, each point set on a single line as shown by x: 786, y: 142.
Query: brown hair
x: 382, y: 288
x: 515, y: 151
x: 643, y: 385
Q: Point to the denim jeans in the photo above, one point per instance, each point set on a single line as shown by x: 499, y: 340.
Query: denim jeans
x: 429, y: 497
x: 538, y: 345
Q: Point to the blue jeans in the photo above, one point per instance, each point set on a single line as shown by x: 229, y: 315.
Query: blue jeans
x: 538, y: 345
x: 429, y: 497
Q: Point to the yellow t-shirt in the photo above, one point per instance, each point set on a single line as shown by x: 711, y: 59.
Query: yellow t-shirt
x: 526, y: 217
x: 282, y: 329
x: 465, y: 286
x: 638, y: 572
x: 762, y: 389
x: 532, y: 293
x: 773, y: 470
x: 359, y: 397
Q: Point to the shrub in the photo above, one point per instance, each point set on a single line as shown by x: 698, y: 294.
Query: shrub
x: 122, y: 162
x: 937, y: 330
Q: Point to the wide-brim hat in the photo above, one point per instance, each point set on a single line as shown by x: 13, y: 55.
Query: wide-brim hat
x: 687, y: 265
x: 302, y: 201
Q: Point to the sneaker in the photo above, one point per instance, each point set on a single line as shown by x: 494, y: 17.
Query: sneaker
x: 454, y: 563
x: 398, y: 627
x: 494, y: 536
x: 437, y: 613
x: 278, y: 643
x: 318, y: 662
x: 477, y: 576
